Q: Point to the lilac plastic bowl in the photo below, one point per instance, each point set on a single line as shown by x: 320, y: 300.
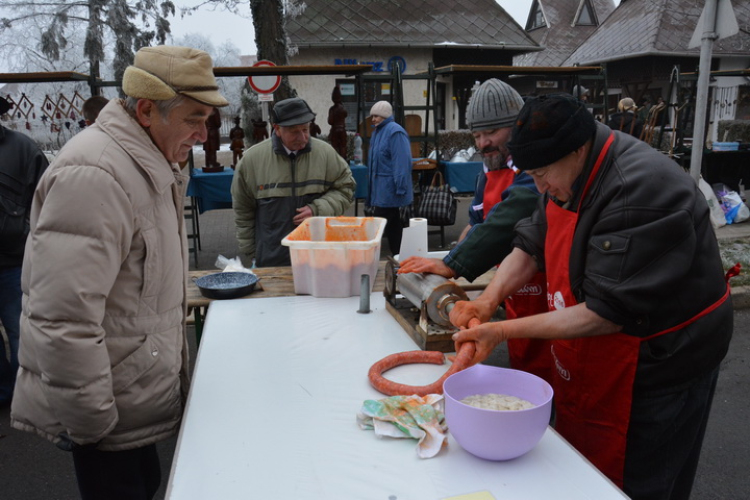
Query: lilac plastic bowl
x: 491, y: 434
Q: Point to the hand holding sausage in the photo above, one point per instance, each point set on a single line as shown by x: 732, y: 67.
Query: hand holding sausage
x: 464, y: 311
x: 484, y: 336
x: 425, y: 265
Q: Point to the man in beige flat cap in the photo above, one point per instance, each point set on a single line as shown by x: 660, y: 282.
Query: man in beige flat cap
x: 103, y: 352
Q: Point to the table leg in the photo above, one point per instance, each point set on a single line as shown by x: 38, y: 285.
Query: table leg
x: 441, y: 232
x: 198, y: 314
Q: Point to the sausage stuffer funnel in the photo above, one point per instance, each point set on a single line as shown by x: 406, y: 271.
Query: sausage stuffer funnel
x: 434, y: 293
x: 431, y: 295
x: 421, y: 303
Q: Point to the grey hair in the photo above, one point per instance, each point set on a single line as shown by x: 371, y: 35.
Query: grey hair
x: 164, y: 107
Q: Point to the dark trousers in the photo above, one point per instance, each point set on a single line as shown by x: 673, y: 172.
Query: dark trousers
x: 10, y: 317
x: 393, y: 229
x: 117, y: 475
x: 665, y: 439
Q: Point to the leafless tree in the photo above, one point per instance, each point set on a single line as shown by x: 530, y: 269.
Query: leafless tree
x: 132, y: 23
x: 271, y: 39
x: 270, y: 30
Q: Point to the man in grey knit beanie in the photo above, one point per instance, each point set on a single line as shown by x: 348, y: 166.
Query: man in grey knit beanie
x: 490, y: 115
x: 502, y: 197
x: 495, y: 104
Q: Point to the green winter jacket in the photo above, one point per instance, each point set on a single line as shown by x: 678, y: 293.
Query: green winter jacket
x: 269, y: 186
x: 488, y: 243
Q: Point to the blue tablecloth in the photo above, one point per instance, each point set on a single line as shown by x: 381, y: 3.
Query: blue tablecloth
x: 461, y: 175
x: 212, y: 191
x: 360, y: 176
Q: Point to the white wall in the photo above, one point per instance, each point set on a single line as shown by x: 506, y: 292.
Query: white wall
x: 316, y: 90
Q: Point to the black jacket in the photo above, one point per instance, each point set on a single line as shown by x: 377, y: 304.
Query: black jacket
x: 645, y: 256
x: 626, y: 122
x: 22, y: 164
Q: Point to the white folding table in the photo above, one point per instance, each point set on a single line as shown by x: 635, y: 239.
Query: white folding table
x: 271, y: 415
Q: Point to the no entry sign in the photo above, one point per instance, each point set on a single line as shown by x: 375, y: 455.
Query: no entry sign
x: 265, y: 84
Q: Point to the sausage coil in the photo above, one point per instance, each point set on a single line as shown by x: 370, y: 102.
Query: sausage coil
x: 391, y: 388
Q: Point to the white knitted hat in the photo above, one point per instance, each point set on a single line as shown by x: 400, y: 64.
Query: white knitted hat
x: 382, y: 109
x: 495, y: 104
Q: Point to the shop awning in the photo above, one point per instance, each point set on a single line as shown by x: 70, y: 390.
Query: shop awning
x: 333, y: 69
x: 457, y: 69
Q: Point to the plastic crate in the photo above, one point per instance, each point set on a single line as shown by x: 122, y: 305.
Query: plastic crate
x: 330, y: 254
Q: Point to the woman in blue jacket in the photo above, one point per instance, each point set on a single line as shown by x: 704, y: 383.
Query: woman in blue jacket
x: 389, y: 162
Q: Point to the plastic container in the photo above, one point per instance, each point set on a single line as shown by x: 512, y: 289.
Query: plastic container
x: 330, y: 254
x: 491, y: 434
x: 357, y: 149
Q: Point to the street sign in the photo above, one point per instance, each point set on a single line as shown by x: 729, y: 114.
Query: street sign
x: 266, y: 84
x: 725, y: 23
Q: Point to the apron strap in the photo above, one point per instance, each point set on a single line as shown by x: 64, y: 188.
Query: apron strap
x: 734, y: 271
x: 598, y: 163
x: 695, y: 318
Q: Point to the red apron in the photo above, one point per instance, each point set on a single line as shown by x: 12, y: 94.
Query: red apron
x: 528, y: 355
x: 594, y: 376
x: 497, y: 182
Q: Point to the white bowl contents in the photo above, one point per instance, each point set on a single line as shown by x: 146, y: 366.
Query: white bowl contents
x: 497, y: 402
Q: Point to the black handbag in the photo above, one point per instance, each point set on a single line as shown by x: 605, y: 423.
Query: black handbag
x: 437, y: 203
x: 405, y: 213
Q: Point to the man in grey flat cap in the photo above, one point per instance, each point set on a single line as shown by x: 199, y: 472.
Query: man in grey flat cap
x: 103, y: 354
x: 284, y: 180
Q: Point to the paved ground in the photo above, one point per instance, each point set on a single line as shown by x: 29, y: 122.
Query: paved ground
x: 32, y: 469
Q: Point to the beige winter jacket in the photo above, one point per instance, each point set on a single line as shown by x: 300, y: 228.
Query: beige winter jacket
x: 103, y: 352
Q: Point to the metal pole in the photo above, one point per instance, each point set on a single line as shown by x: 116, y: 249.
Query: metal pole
x: 364, y: 294
x: 701, y: 102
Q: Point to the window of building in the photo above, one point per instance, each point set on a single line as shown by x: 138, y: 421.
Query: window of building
x: 536, y: 17
x: 586, y: 16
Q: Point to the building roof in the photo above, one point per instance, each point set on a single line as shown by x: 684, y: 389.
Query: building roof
x: 562, y: 34
x: 413, y: 23
x: 657, y: 27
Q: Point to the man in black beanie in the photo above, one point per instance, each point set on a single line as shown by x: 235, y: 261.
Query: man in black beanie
x: 640, y: 314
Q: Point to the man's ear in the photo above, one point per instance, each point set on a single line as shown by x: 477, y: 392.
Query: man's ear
x: 145, y: 112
